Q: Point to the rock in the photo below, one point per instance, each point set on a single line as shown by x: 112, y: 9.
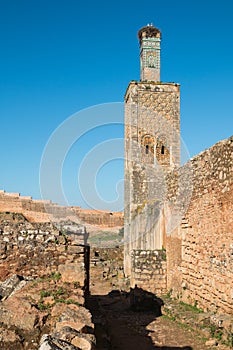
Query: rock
x: 50, y: 343
x: 71, y: 329
x: 19, y: 286
x: 47, y: 344
x: 74, y: 313
x: 58, y: 309
x: 77, y: 326
x: 211, y: 342
x: 72, y: 273
x: 222, y: 321
x: 4, y: 271
x: 8, y: 286
x: 9, y: 336
x: 78, y: 298
x: 19, y: 313
x: 206, y: 332
x: 81, y: 343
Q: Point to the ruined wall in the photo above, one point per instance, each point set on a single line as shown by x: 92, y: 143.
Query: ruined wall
x: 45, y: 211
x: 199, y: 242
x: 106, y: 270
x: 149, y: 270
x: 100, y: 217
x: 33, y: 210
x: 36, y: 250
x: 200, y: 250
x: 44, y: 282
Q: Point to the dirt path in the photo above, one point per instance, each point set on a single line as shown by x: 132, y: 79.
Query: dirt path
x: 119, y: 328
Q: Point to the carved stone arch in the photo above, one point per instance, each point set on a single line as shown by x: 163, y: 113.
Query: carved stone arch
x: 148, y: 143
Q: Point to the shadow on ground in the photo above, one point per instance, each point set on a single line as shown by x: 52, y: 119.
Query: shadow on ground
x: 121, y: 320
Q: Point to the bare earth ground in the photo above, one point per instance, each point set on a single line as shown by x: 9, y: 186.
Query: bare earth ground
x: 119, y: 328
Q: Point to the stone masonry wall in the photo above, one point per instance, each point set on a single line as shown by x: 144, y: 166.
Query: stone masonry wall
x: 149, y: 270
x: 200, y: 251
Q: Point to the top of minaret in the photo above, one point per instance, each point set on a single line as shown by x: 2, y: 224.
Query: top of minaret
x: 149, y: 37
x: 148, y: 31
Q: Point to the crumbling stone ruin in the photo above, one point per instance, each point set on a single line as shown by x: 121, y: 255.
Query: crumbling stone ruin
x: 44, y: 279
x: 178, y: 242
x: 45, y: 211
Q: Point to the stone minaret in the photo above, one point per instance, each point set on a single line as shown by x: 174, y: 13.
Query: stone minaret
x: 152, y: 147
x: 149, y: 38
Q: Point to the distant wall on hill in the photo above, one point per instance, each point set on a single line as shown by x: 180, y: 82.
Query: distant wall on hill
x: 45, y: 211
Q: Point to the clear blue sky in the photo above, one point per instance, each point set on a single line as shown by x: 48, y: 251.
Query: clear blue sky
x: 60, y: 56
